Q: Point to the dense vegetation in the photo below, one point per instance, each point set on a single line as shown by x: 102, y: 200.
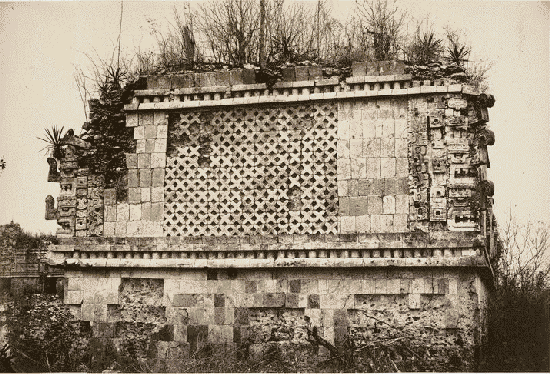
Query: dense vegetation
x: 266, y: 36
x: 21, y: 248
x: 518, y: 337
x: 239, y: 33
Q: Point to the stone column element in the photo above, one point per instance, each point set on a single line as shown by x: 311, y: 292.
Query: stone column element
x: 53, y: 174
x: 51, y: 212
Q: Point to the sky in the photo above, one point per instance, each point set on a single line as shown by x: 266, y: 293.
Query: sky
x: 41, y: 43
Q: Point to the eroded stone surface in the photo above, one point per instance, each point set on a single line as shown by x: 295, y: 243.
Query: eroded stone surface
x: 437, y: 308
x: 253, y: 215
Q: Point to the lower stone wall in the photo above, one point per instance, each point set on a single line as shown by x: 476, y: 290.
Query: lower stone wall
x: 183, y: 309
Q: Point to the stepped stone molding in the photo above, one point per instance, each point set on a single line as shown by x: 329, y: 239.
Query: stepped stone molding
x: 407, y: 249
x: 282, y: 92
x: 245, y: 262
x: 390, y: 250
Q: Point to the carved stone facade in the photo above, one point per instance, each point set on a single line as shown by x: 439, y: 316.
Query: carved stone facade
x: 252, y: 171
x: 317, y: 201
x: 80, y: 203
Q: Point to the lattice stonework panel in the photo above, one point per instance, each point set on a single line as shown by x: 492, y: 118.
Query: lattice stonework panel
x: 248, y: 171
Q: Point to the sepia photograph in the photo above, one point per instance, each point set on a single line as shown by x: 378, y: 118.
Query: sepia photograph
x: 274, y: 186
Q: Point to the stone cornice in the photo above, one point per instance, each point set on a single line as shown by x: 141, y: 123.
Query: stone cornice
x: 415, y: 240
x: 417, y: 249
x: 283, y: 92
x: 474, y: 261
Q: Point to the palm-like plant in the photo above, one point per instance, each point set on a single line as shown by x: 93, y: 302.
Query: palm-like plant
x: 458, y: 54
x: 53, y: 137
x: 458, y: 50
x: 426, y: 47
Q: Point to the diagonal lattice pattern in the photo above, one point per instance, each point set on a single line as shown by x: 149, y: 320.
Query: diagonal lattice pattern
x: 249, y: 171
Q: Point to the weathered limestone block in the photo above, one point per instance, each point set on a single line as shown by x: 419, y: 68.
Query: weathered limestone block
x: 51, y: 212
x: 144, y: 161
x: 122, y: 212
x: 109, y: 229
x: 53, y: 173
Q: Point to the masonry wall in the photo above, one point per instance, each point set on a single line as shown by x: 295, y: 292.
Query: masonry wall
x: 385, y: 157
x: 359, y: 207
x: 359, y: 166
x: 435, y: 307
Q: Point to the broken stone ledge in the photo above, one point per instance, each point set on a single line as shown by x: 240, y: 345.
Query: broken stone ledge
x: 358, y: 252
x: 281, y: 92
x: 235, y: 77
x: 316, y: 250
x: 471, y: 261
x: 415, y: 240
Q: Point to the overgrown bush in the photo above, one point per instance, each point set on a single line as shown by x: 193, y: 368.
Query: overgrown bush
x: 176, y: 47
x: 518, y: 329
x: 5, y: 360
x: 517, y: 339
x: 383, y: 23
x: 227, y: 34
x: 25, y: 249
x: 426, y: 47
x: 43, y: 336
x: 106, y: 131
x: 458, y: 50
x: 13, y: 236
x: 395, y: 350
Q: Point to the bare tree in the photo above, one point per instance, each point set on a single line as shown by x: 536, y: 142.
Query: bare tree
x: 524, y: 258
x: 326, y: 34
x: 383, y: 22
x: 230, y: 30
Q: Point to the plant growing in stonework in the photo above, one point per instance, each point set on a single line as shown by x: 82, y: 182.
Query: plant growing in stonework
x: 106, y: 131
x: 288, y: 39
x: 426, y: 47
x: 477, y: 73
x: 53, y: 138
x: 176, y: 48
x: 458, y: 51
x: 43, y: 337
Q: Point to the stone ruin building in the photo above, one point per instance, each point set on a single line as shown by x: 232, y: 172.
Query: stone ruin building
x: 254, y: 213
